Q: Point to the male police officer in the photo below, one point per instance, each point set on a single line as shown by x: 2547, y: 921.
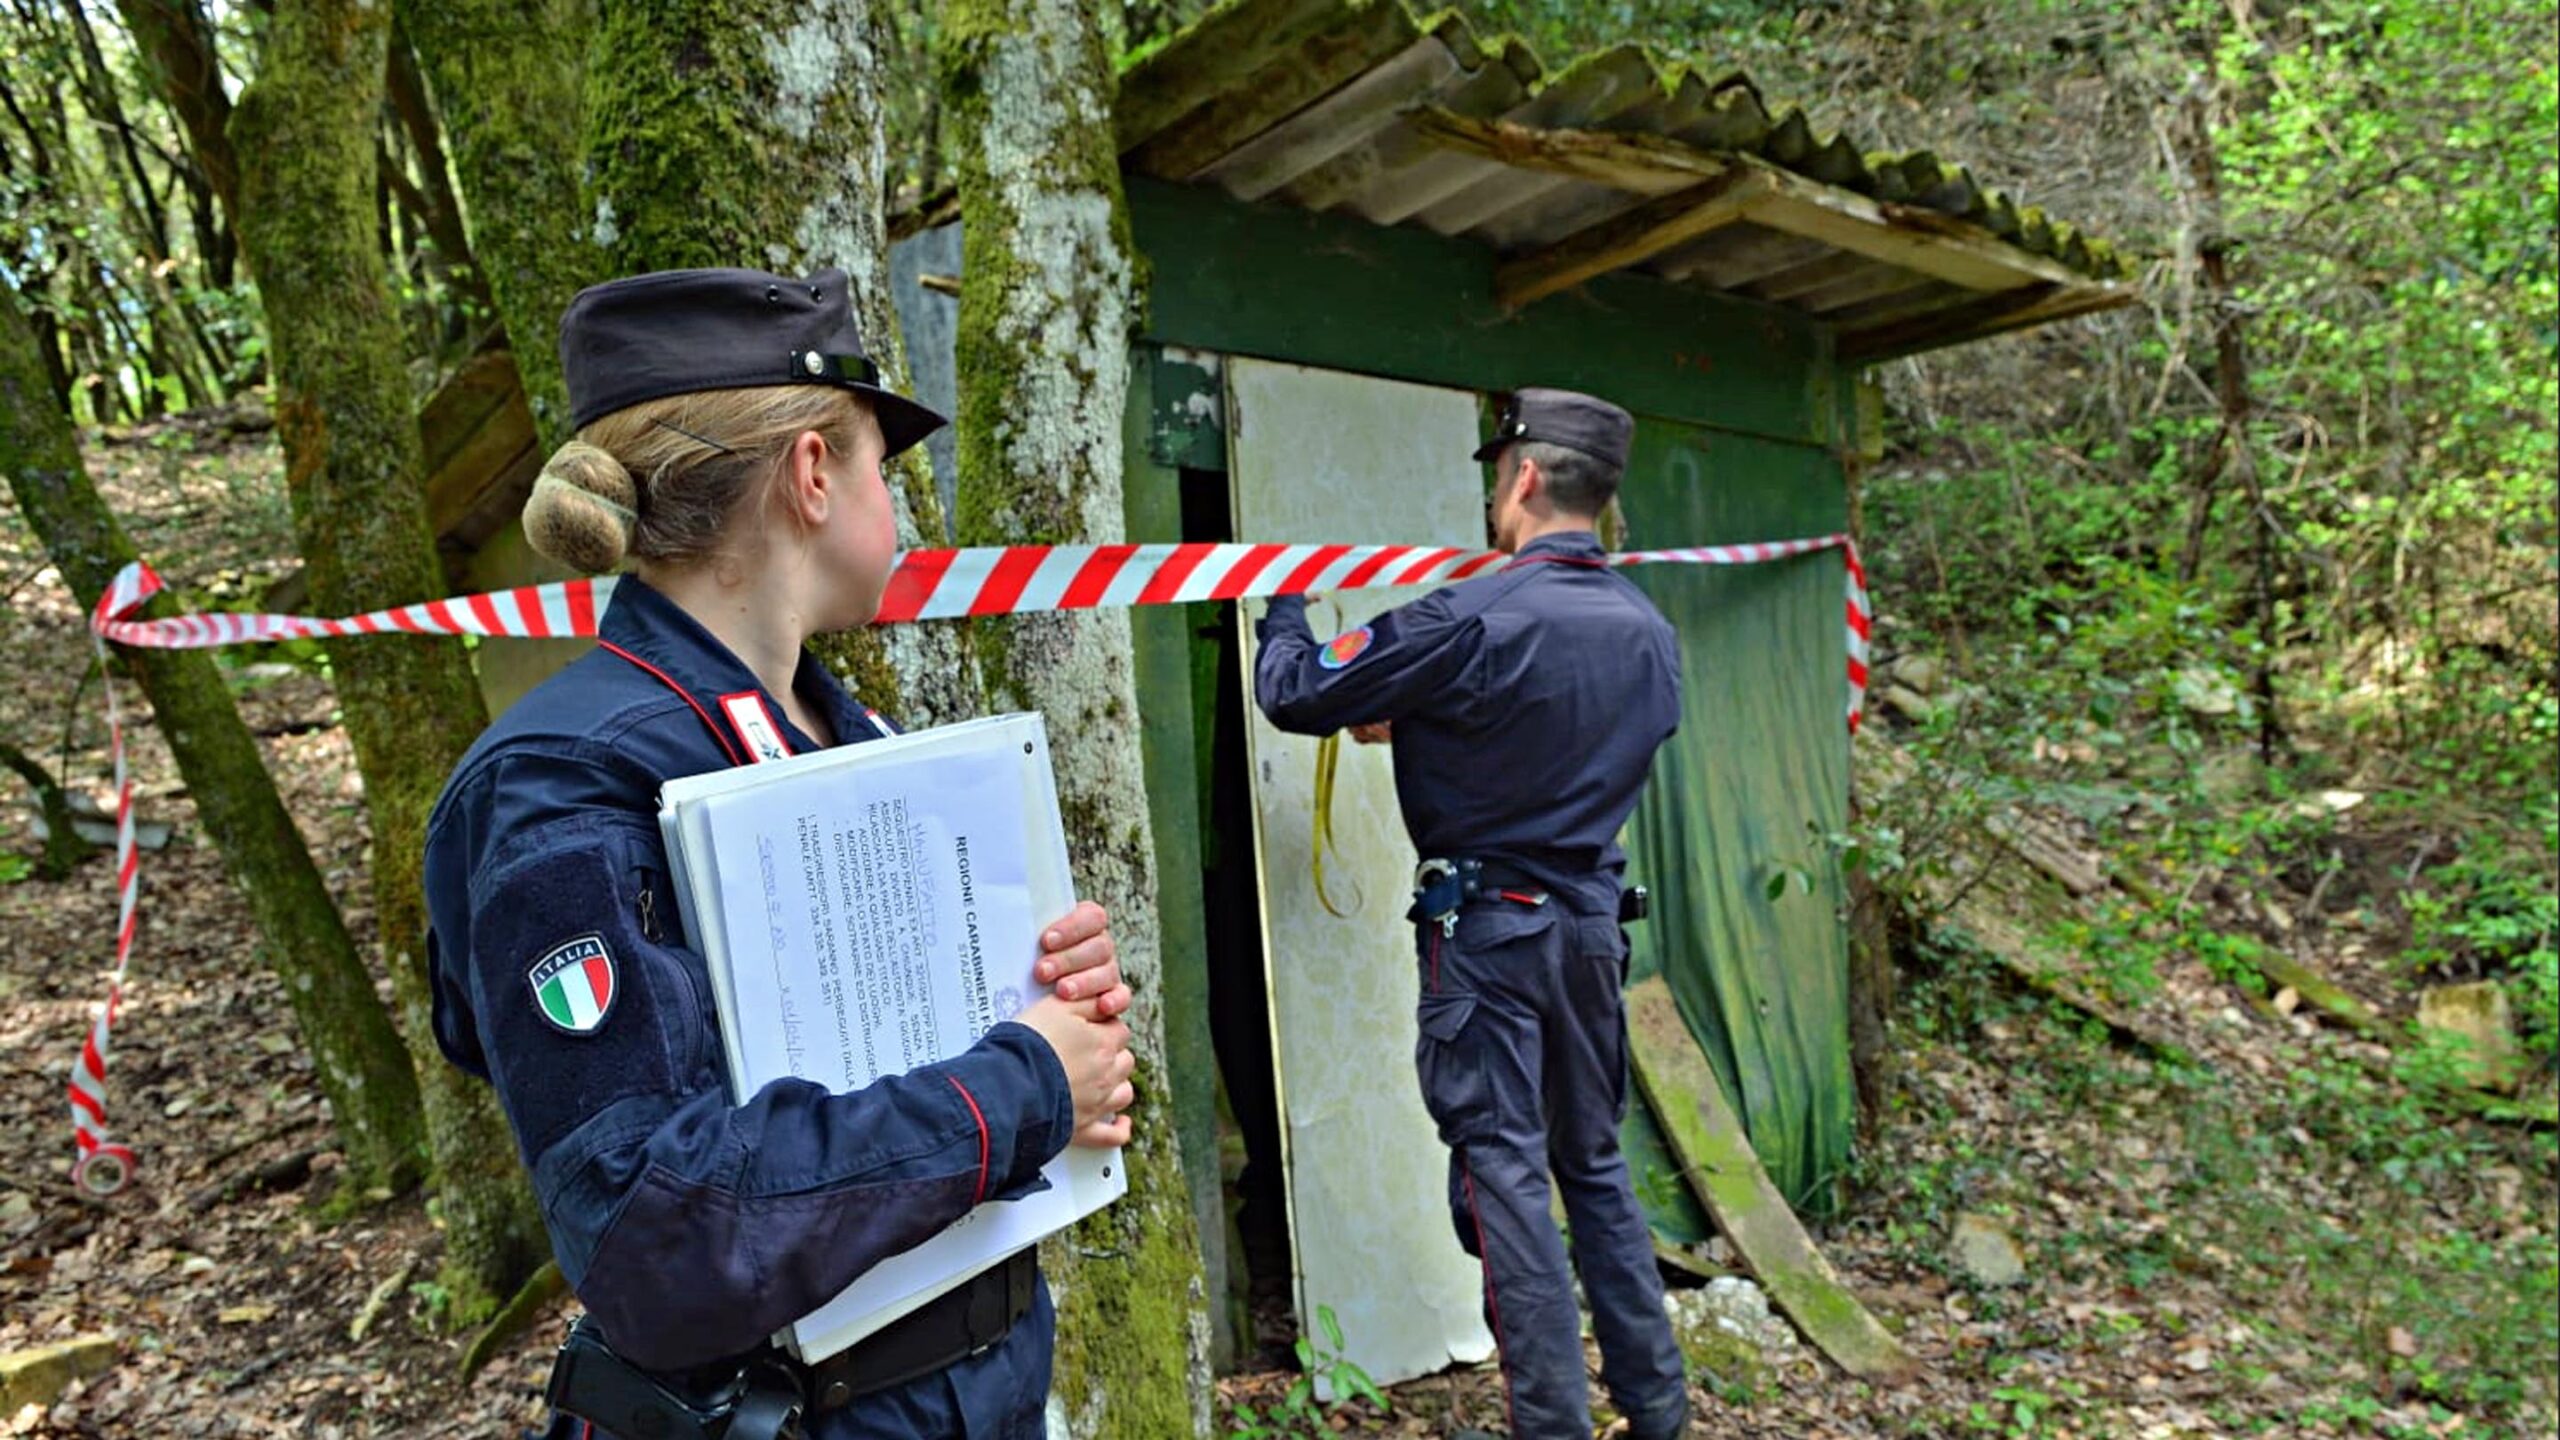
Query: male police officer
x: 1526, y: 707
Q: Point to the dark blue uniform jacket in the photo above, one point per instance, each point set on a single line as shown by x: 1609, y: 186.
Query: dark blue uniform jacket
x: 1479, y: 678
x: 693, y: 1228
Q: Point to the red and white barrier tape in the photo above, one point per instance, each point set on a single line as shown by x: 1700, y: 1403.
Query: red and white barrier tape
x: 927, y: 585
x: 103, y: 1166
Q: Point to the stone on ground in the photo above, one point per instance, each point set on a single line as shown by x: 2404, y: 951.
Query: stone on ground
x: 1984, y: 1252
x: 1730, y: 1336
x: 39, y: 1376
x: 2478, y: 1016
x: 1924, y: 673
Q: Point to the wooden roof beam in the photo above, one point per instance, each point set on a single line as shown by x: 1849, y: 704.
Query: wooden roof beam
x: 1644, y: 164
x: 1632, y: 238
x: 1978, y: 318
x: 1908, y: 236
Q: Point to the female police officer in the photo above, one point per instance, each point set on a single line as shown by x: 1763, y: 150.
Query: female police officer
x: 730, y: 435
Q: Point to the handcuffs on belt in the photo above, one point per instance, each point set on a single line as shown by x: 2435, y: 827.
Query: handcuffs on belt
x: 1441, y: 888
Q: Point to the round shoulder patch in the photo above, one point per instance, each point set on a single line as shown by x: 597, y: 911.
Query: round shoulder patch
x: 1346, y: 647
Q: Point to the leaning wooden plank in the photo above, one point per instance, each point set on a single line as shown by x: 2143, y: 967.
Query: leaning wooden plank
x: 1716, y: 1158
x: 2320, y: 992
x: 1670, y: 1255
x: 544, y: 1286
x: 2542, y: 1111
x: 2048, y: 847
x: 2317, y: 990
x: 1981, y: 913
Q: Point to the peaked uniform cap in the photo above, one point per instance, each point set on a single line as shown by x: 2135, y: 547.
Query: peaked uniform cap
x: 1563, y: 417
x: 676, y: 332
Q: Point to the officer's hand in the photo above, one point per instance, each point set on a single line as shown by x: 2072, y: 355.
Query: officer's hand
x: 1377, y: 734
x: 1080, y: 962
x: 1095, y: 1055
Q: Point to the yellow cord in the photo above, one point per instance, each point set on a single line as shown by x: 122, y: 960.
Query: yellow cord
x: 1328, y: 755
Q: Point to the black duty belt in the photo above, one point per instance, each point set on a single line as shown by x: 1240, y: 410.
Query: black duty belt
x: 944, y: 1330
x: 764, y: 1396
x: 1442, y: 888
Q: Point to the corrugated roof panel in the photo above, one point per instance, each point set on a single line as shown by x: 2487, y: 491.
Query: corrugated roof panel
x: 1394, y: 159
x: 1868, y: 284
x: 1833, y: 266
x: 1545, y: 219
x: 1593, y: 89
x: 1215, y: 56
x: 1736, y: 120
x: 1396, y: 197
x: 1306, y: 102
x: 1293, y: 78
x: 1592, y: 92
x: 1334, y: 124
x: 1903, y: 305
x: 1499, y: 191
x: 1736, y: 255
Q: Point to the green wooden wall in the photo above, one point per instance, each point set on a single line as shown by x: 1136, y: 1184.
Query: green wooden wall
x: 1323, y: 290
x: 1741, y: 413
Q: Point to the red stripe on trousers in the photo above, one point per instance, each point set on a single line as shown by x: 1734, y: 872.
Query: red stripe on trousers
x: 1492, y: 1302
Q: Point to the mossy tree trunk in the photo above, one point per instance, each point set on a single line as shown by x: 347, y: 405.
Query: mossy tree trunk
x: 507, y: 81
x: 1048, y: 297
x: 748, y: 133
x: 304, y: 133
x: 372, y: 1091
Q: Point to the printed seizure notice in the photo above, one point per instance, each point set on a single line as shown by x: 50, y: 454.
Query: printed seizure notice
x: 870, y: 909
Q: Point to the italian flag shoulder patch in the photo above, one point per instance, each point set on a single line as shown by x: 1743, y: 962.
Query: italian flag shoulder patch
x: 574, y: 985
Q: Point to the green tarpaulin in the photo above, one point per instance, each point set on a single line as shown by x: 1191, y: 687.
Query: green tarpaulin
x: 1731, y: 833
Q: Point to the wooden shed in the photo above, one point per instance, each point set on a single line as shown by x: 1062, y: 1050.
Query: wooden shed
x: 1359, y: 227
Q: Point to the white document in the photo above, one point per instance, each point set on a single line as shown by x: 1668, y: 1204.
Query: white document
x: 873, y: 908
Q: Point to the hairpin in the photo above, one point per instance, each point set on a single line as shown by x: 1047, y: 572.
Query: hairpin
x: 697, y: 439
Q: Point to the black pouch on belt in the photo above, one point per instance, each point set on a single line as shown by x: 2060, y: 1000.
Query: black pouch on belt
x: 759, y: 1399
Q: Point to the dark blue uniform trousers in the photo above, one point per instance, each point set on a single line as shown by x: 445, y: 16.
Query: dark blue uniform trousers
x: 1523, y: 1060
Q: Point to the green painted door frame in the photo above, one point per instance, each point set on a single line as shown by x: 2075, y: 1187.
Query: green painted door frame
x: 1743, y: 414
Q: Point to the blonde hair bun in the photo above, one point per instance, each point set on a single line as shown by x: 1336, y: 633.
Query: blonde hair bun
x: 583, y: 510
